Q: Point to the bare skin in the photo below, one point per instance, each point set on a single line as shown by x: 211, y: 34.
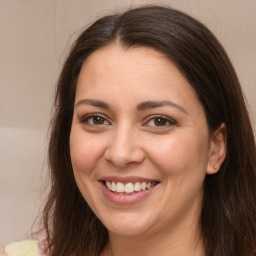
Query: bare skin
x: 137, y: 117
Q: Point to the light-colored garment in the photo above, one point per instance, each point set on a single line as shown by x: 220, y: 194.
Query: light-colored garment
x: 24, y: 248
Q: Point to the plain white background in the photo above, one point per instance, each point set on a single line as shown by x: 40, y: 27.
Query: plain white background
x: 34, y: 40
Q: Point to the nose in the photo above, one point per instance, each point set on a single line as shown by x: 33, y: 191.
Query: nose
x: 125, y: 148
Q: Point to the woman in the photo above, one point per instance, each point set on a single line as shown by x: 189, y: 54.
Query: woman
x: 151, y: 149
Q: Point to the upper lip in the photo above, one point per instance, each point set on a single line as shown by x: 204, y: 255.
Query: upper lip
x: 127, y: 179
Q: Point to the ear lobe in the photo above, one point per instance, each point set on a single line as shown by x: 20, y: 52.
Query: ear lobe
x: 217, y: 153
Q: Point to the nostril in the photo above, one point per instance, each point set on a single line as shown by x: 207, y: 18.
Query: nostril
x: 124, y: 158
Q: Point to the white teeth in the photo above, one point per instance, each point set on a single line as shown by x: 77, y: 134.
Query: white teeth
x: 108, y: 184
x: 129, y: 187
x: 137, y: 186
x: 143, y: 185
x: 119, y: 187
x: 148, y: 185
x: 113, y: 186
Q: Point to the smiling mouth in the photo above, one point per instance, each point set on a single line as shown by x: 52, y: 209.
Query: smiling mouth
x: 128, y: 188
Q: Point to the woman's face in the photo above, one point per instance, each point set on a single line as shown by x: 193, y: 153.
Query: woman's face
x: 139, y: 141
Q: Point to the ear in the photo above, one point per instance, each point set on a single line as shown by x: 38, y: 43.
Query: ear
x: 218, y: 148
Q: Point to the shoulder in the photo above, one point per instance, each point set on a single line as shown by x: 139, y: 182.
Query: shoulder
x: 22, y: 248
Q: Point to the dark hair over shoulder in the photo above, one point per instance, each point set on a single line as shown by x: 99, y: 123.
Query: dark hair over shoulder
x: 228, y: 218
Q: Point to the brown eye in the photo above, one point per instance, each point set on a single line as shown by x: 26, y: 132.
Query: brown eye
x: 160, y: 121
x: 95, y: 120
x: 98, y: 120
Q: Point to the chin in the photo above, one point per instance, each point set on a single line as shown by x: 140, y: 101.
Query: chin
x: 127, y: 230
x: 128, y: 225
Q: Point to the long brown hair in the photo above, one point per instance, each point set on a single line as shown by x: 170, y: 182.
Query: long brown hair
x: 228, y: 217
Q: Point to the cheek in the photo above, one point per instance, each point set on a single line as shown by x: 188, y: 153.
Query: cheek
x: 182, y: 161
x: 84, y: 152
x: 180, y: 154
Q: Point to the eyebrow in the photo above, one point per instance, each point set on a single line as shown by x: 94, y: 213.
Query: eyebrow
x: 156, y: 104
x: 93, y: 102
x: 143, y: 106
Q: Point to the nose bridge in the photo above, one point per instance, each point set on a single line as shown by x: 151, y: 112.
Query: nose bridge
x: 124, y: 146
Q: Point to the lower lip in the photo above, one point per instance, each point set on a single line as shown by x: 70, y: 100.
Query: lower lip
x: 126, y: 198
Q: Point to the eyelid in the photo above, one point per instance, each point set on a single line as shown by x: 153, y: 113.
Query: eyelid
x: 85, y: 118
x: 168, y: 119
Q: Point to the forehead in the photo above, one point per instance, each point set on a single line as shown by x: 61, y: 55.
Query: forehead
x: 114, y: 71
x: 117, y: 57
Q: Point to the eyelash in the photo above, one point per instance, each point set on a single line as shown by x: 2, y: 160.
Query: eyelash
x: 162, y: 118
x: 87, y: 118
x: 166, y: 120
